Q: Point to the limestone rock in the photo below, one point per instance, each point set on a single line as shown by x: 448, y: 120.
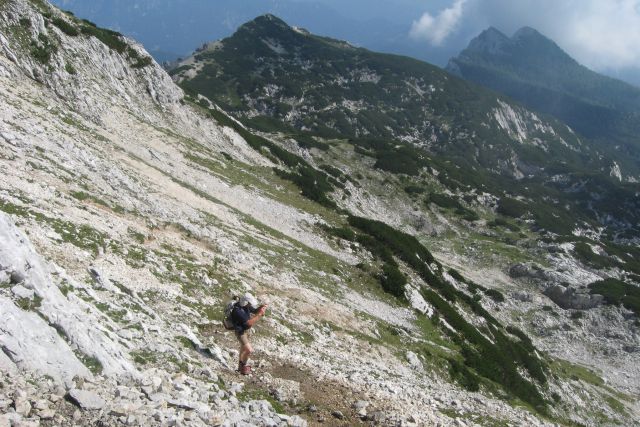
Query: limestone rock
x: 414, y: 360
x: 34, y: 345
x: 85, y: 399
x: 22, y: 292
x: 17, y: 277
x: 527, y: 271
x: 22, y: 406
x: 338, y: 414
x: 569, y: 298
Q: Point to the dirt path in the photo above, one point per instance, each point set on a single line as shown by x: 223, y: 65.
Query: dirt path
x: 319, y: 400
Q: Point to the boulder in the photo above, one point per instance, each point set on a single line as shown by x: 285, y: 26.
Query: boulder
x: 530, y: 271
x: 22, y: 292
x: 414, y: 360
x: 522, y: 296
x: 17, y: 277
x: 296, y: 421
x: 47, y: 414
x: 22, y: 406
x: 338, y: 414
x: 85, y: 399
x: 570, y: 298
x: 32, y: 344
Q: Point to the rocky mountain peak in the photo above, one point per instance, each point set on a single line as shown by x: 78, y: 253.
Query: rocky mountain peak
x: 527, y: 33
x: 490, y: 41
x: 266, y: 25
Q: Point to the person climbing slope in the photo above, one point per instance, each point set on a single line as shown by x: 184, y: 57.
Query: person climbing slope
x: 245, y: 314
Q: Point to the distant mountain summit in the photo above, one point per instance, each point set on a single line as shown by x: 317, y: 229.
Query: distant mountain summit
x: 533, y: 69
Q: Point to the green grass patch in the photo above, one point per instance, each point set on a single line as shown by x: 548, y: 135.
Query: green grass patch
x: 254, y: 393
x: 144, y: 357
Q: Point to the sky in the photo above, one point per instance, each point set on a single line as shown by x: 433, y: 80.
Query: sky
x: 601, y: 34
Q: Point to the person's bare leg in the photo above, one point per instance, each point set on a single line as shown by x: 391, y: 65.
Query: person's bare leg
x: 245, y: 352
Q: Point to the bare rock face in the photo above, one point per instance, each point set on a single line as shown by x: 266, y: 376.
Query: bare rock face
x: 30, y: 341
x: 32, y: 344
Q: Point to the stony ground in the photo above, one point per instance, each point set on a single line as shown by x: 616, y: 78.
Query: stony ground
x: 129, y: 218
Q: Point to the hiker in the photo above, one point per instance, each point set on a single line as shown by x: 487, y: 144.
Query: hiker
x: 245, y: 314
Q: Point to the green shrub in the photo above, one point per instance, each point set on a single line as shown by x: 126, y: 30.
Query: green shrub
x: 456, y: 275
x: 65, y: 27
x: 512, y: 207
x: 112, y: 39
x: 444, y: 201
x: 618, y: 292
x: 43, y: 49
x: 308, y: 141
x: 576, y: 315
x: 499, y: 222
x: 70, y: 68
x: 345, y: 233
x: 392, y: 280
x: 494, y: 295
x: 392, y: 156
x: 142, y: 62
x: 414, y: 189
x: 313, y: 184
x: 584, y: 253
x: 467, y: 214
x: 334, y: 172
x: 463, y: 376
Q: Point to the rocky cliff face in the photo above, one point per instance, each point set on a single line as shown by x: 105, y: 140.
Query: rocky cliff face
x: 130, y: 216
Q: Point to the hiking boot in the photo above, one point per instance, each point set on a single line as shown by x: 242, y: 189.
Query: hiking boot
x: 245, y: 369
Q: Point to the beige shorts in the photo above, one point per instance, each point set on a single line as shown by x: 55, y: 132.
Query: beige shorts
x: 243, y: 338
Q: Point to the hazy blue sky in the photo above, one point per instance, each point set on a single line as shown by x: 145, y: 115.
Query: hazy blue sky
x: 602, y: 34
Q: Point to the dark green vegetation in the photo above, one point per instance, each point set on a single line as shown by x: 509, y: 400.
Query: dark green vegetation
x: 617, y: 292
x: 449, y: 202
x: 491, y: 353
x: 324, y: 88
x: 43, y: 48
x: 534, y: 70
x: 624, y: 257
x: 65, y: 27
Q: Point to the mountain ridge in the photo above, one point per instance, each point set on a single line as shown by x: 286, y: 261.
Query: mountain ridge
x: 333, y: 90
x: 537, y: 72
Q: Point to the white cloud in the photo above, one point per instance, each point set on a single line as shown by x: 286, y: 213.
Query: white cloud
x: 604, y: 33
x: 435, y: 29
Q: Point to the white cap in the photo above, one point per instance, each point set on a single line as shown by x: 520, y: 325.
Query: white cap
x: 248, y: 299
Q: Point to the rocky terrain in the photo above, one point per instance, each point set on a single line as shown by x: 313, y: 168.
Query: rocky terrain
x: 130, y: 216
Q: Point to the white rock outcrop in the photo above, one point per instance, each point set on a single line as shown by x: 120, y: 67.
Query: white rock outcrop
x: 39, y: 346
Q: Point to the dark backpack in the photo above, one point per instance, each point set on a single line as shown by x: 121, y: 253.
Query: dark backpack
x: 228, y: 322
